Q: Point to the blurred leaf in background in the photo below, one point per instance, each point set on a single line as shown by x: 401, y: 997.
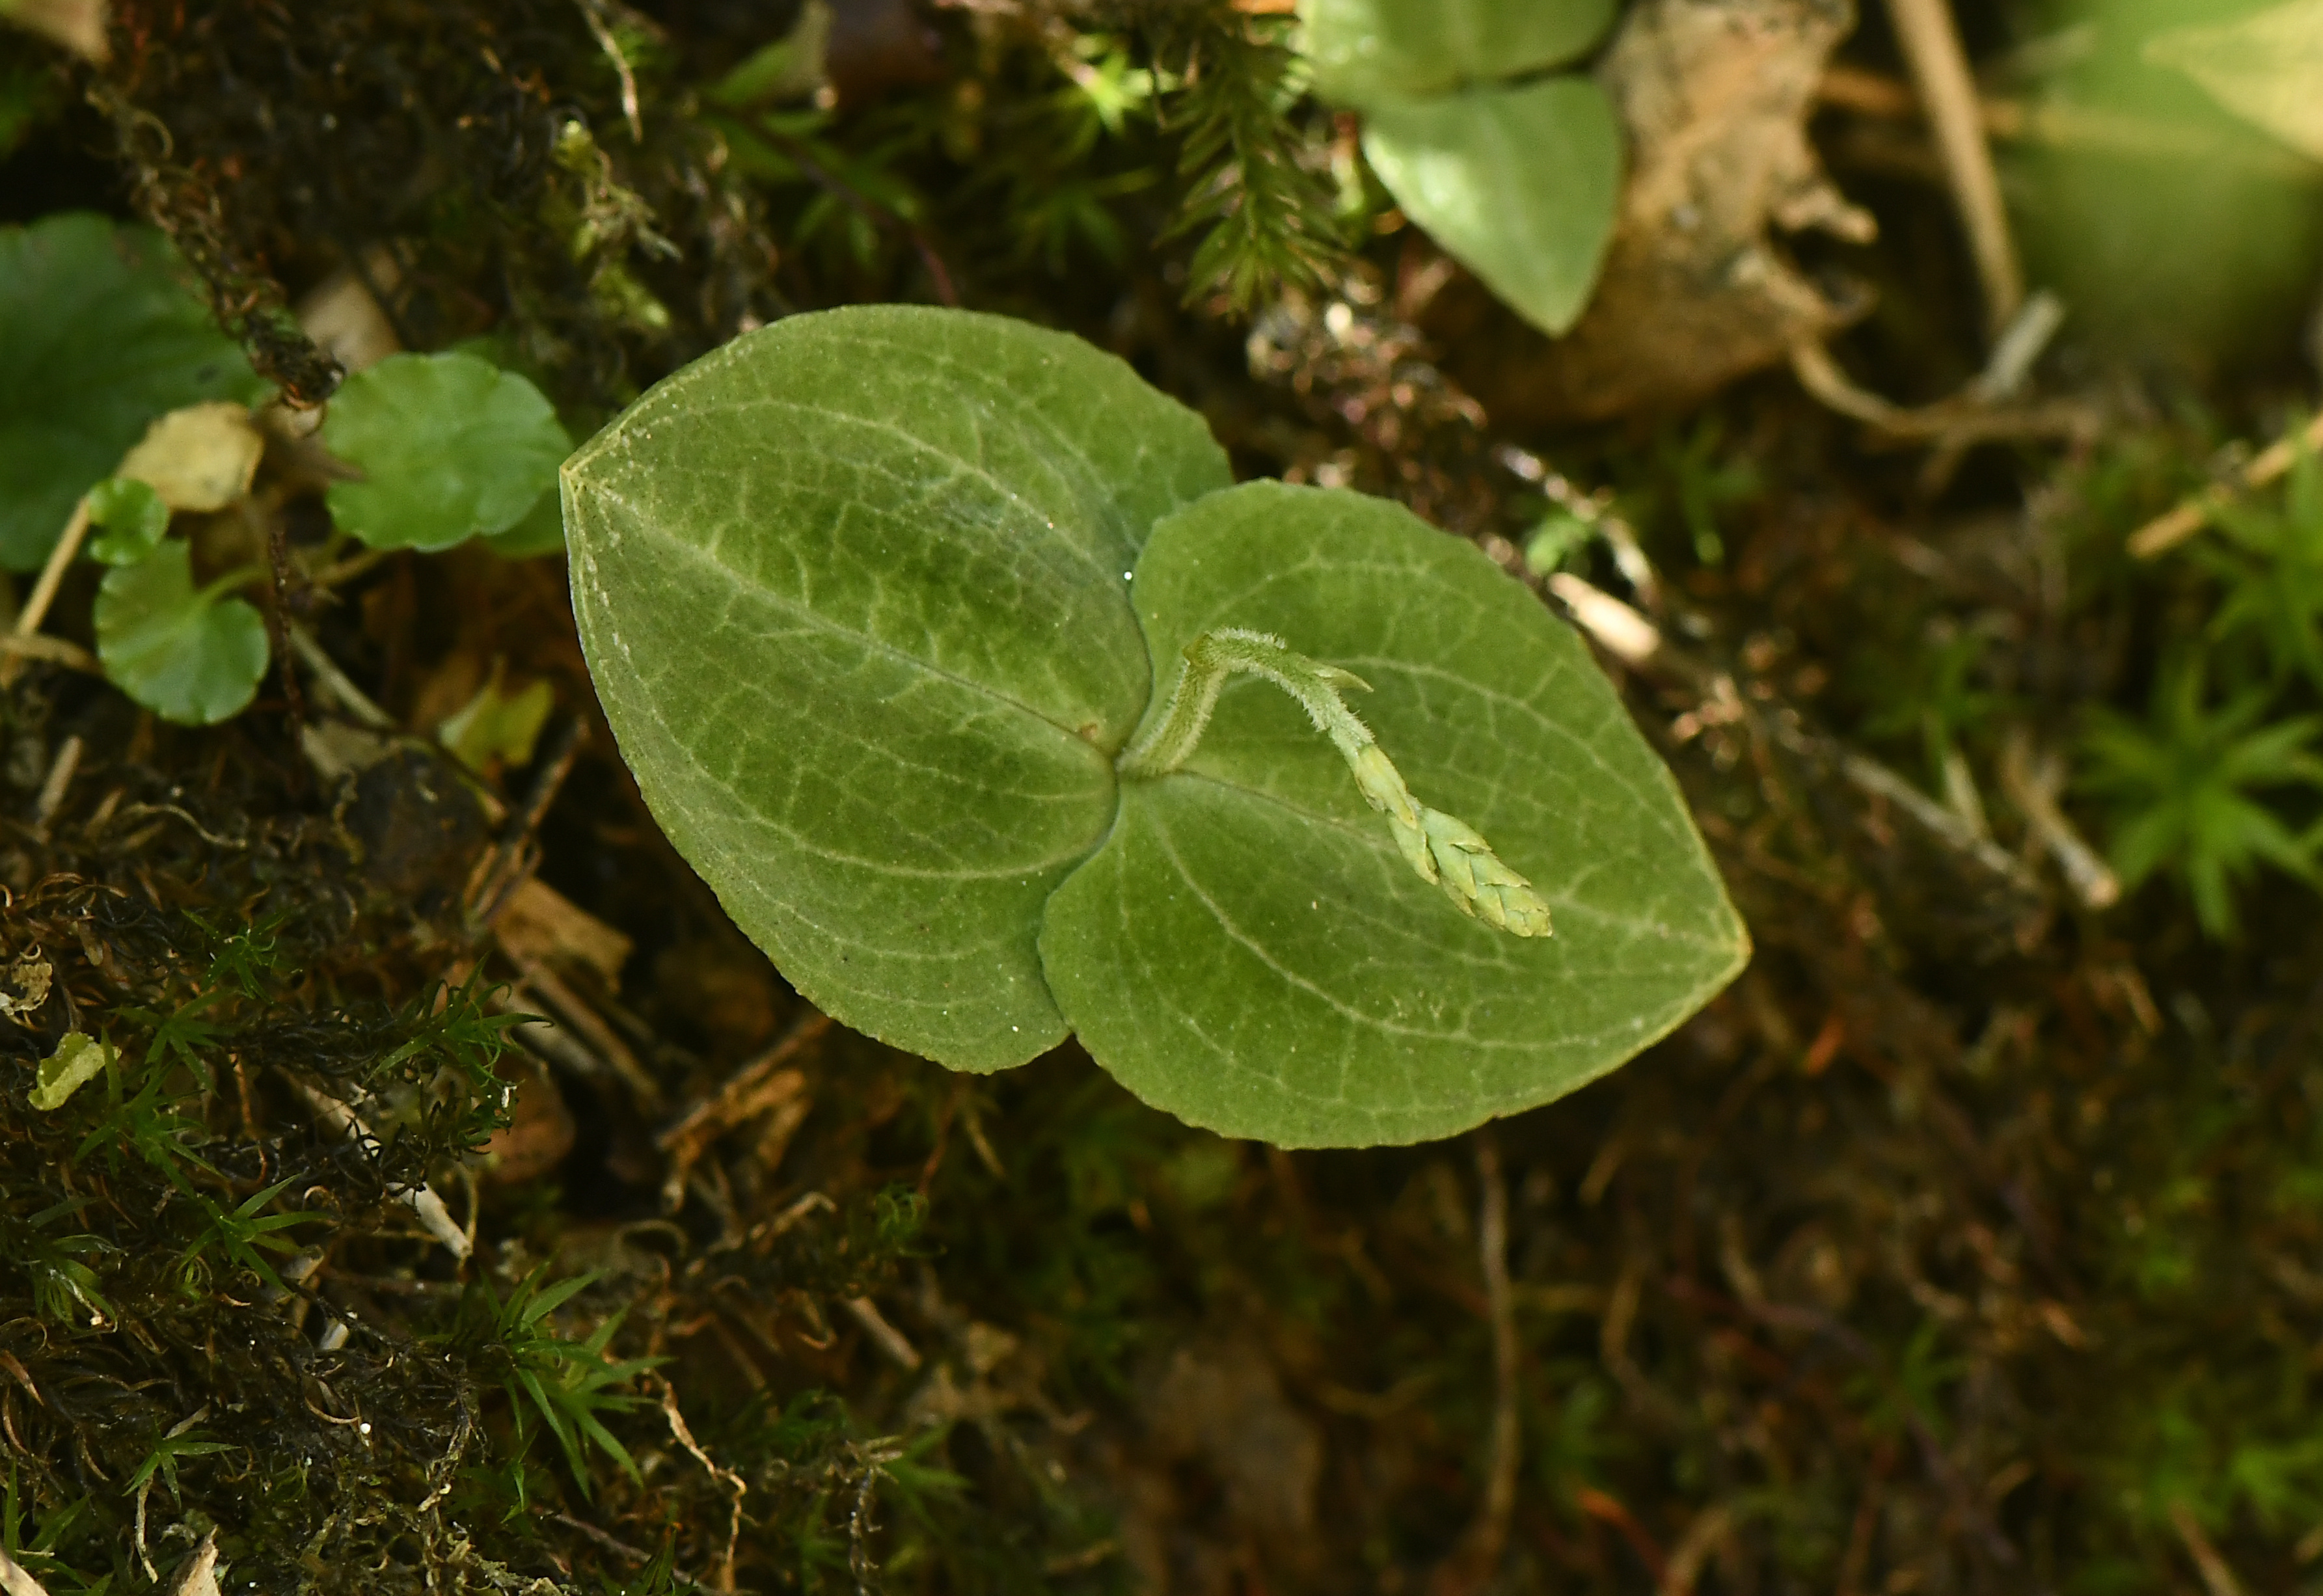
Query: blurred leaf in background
x: 2168, y: 224
x: 2266, y: 69
x: 98, y: 338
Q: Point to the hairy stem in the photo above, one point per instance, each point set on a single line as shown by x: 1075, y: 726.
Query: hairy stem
x: 1440, y: 847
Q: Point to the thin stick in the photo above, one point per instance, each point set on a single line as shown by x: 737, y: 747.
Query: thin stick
x: 2217, y: 1577
x: 2061, y: 126
x: 725, y: 1477
x: 1938, y: 67
x: 1471, y: 1567
x: 1489, y: 1533
x: 334, y: 680
x: 352, y: 566
x: 15, y: 1581
x: 513, y: 856
x: 1872, y: 777
x: 15, y: 646
x: 617, y: 1547
x: 278, y: 611
x: 2032, y: 783
x: 542, y: 982
x: 2166, y: 532
x: 611, y: 46
x: 765, y: 1082
x: 1955, y: 422
x: 44, y: 591
x: 59, y: 778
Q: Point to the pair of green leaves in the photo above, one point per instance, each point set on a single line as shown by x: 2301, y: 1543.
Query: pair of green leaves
x: 105, y: 345
x: 450, y: 447
x: 877, y: 598
x: 1517, y: 175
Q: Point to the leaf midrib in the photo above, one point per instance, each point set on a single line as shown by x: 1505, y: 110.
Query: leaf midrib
x: 792, y: 607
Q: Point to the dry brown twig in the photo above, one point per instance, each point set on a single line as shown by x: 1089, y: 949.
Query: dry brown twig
x: 574, y: 1013
x: 1968, y: 417
x: 2059, y: 124
x: 766, y: 1082
x: 1637, y: 643
x: 2033, y: 781
x: 2167, y: 531
x: 44, y: 593
x: 1473, y: 1566
x: 1939, y: 68
x: 2217, y: 1579
x: 15, y: 1581
x: 727, y: 1478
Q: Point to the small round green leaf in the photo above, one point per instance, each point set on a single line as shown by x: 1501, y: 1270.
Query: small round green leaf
x: 1365, y: 53
x: 1248, y: 950
x: 188, y: 655
x: 98, y: 337
x: 854, y: 590
x: 131, y: 518
x: 451, y: 447
x: 1519, y: 185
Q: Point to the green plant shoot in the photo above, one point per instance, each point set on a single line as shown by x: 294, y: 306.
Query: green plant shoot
x: 1441, y: 849
x: 2183, y: 786
x: 1517, y: 175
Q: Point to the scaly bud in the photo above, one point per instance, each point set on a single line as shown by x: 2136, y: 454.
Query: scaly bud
x: 1473, y: 877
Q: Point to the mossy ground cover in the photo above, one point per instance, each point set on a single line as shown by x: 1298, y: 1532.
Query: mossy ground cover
x: 1968, y: 1243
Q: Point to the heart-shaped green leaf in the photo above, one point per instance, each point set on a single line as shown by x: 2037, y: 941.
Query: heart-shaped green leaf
x: 1367, y: 52
x: 98, y: 337
x: 857, y: 594
x: 451, y: 447
x: 1249, y: 951
x: 192, y: 656
x: 1521, y: 184
x: 855, y: 591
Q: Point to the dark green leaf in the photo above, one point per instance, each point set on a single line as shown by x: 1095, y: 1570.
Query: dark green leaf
x: 98, y: 337
x: 1520, y: 185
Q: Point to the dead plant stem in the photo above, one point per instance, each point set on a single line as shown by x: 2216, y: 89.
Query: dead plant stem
x: 2166, y: 532
x: 44, y: 591
x: 2217, y: 1579
x: 1471, y: 1567
x: 1939, y: 68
